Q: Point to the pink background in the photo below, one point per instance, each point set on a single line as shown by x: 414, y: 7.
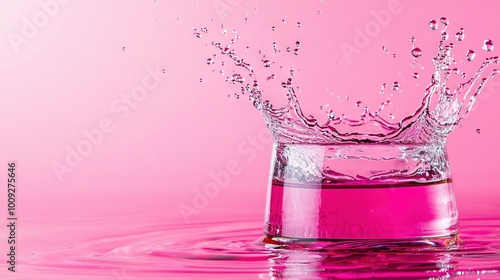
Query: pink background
x: 66, y: 77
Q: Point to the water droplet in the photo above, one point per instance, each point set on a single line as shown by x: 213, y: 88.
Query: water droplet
x: 124, y: 48
x: 463, y: 75
x: 297, y: 44
x: 164, y: 71
x: 412, y: 39
x: 299, y: 24
x: 478, y: 131
x: 331, y: 115
x: 204, y: 30
x: 444, y: 35
x: 460, y: 36
x: 416, y: 52
x: 395, y: 86
x: 210, y: 61
x: 273, y: 28
x: 358, y: 103
x: 237, y: 78
x: 444, y: 21
x: 292, y: 73
x: 272, y: 77
x: 224, y: 31
x: 296, y: 51
x: 470, y: 55
x: 433, y: 24
x: 267, y: 63
x: 488, y: 45
x: 201, y: 80
x: 319, y: 12
x: 394, y: 55
x: 391, y: 116
x: 283, y: 21
x: 382, y: 89
x: 415, y: 75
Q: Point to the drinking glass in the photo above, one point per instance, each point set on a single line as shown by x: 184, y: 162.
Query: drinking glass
x: 361, y: 191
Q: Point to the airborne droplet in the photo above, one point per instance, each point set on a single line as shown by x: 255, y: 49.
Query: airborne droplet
x: 210, y: 61
x: 488, y: 45
x: 415, y: 75
x: 331, y: 115
x: 395, y: 86
x: 444, y: 21
x: 444, y: 35
x: 237, y: 78
x: 470, y: 55
x: 433, y: 24
x: 460, y: 36
x: 478, y: 131
x: 267, y: 63
x: 416, y: 52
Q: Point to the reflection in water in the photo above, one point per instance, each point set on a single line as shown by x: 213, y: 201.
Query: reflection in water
x: 233, y: 249
x: 326, y: 264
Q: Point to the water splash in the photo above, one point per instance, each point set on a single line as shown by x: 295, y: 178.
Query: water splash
x: 426, y: 125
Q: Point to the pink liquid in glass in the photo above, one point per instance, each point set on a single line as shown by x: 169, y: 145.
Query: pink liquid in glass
x: 368, y: 210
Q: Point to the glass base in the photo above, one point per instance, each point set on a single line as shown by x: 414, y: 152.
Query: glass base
x: 447, y: 243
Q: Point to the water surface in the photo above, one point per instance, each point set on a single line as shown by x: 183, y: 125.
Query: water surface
x: 231, y: 246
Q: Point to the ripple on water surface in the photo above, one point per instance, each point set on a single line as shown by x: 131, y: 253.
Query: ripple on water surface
x: 233, y: 249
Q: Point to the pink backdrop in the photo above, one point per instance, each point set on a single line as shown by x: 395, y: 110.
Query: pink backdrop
x: 70, y: 68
